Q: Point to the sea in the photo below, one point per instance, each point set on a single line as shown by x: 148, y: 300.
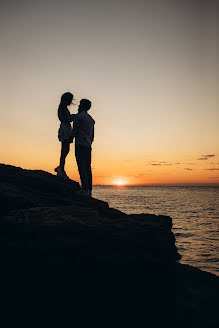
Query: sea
x: 194, y: 212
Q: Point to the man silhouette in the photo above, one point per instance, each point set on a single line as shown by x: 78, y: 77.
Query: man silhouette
x: 83, y: 132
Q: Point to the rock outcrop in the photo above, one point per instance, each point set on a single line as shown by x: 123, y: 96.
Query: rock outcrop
x: 74, y: 252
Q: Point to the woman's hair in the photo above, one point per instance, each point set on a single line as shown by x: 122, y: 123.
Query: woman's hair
x: 66, y: 100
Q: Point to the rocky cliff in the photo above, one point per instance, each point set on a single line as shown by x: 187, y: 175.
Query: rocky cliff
x: 76, y: 257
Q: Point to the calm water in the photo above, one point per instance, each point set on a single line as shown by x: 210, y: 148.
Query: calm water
x: 195, y: 214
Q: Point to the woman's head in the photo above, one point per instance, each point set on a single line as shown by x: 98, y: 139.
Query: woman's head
x: 67, y: 98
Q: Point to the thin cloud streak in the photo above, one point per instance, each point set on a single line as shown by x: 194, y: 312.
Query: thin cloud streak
x: 205, y: 157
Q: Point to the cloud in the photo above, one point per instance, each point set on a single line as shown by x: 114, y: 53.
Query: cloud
x: 139, y: 175
x: 215, y: 169
x: 177, y: 163
x: 157, y: 164
x: 188, y: 168
x: 205, y: 157
x: 213, y: 177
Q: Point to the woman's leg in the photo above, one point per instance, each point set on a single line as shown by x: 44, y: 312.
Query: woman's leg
x: 64, y: 152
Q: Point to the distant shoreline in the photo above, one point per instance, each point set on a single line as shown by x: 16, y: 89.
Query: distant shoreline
x: 155, y: 185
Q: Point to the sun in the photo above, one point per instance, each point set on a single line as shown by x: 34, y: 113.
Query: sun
x: 119, y: 182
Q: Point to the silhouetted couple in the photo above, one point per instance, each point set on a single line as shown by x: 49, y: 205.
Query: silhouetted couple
x: 83, y: 132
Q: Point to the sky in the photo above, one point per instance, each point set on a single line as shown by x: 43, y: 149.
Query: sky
x: 150, y: 69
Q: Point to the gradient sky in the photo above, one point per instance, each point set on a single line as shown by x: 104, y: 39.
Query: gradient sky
x: 150, y: 68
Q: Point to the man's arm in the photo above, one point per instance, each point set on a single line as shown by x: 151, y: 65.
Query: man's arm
x: 92, y: 136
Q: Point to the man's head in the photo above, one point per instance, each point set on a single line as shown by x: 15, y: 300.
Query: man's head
x: 85, y: 105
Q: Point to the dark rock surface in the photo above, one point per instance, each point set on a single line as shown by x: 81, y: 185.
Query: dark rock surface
x: 74, y: 258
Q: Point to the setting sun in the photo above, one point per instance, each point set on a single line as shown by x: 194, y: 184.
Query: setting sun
x: 119, y: 182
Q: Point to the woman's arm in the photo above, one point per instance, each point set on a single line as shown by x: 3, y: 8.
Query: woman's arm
x: 65, y: 116
x: 72, y: 117
x: 76, y: 126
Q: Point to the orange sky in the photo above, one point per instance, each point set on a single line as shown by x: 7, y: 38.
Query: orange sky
x: 152, y: 75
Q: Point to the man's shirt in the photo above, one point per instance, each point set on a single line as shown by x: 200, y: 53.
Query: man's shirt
x: 83, y: 129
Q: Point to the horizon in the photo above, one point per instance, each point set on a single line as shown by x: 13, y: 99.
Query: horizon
x: 151, y: 71
x: 158, y: 185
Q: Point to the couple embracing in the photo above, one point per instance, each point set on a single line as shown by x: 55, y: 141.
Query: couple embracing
x: 83, y: 132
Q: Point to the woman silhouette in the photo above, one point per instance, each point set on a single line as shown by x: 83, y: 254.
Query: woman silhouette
x: 65, y: 131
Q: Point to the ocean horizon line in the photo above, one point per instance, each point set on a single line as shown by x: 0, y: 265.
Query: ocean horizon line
x: 158, y: 185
